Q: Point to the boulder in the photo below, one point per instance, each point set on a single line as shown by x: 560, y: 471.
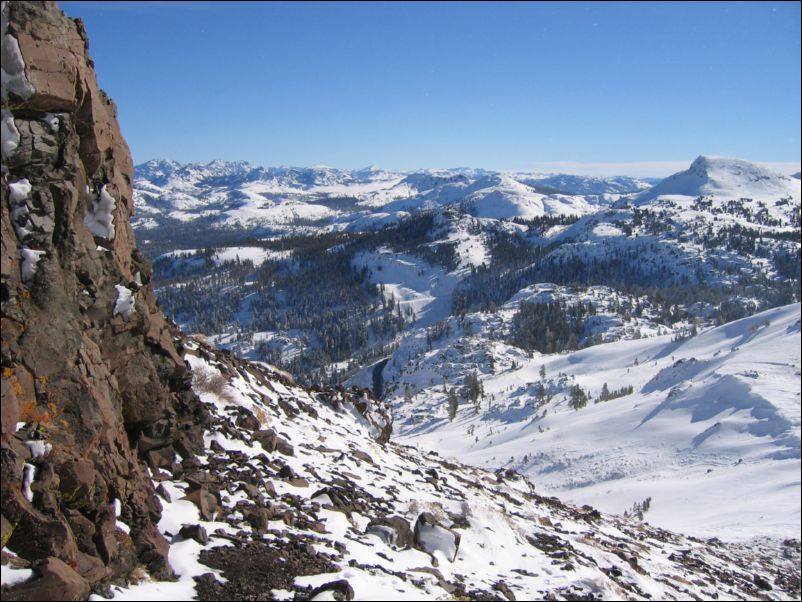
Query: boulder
x: 430, y: 536
x: 77, y: 484
x: 337, y: 590
x: 258, y: 518
x: 196, y: 532
x: 273, y: 442
x: 247, y: 420
x: 153, y: 551
x: 392, y: 530
x: 55, y: 581
x: 35, y: 535
x: 204, y: 500
x: 91, y: 568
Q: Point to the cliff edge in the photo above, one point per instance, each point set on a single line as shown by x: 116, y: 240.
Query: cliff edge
x: 92, y: 377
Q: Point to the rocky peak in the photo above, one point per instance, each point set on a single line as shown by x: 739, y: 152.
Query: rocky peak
x: 91, y: 374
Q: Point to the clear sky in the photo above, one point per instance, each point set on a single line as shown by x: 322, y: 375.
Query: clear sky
x: 410, y: 85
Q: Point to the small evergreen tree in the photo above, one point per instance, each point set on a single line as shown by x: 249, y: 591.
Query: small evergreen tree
x: 453, y: 404
x: 540, y: 395
x: 473, y: 387
x: 578, y: 398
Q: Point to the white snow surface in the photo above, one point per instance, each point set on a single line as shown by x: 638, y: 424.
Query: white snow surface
x: 711, y: 432
x: 10, y: 576
x: 29, y: 259
x: 28, y: 478
x: 724, y: 177
x: 414, y: 284
x: 19, y: 192
x: 9, y: 134
x: 100, y: 214
x: 39, y: 448
x: 125, y: 304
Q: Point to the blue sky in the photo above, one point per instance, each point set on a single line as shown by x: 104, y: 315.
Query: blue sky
x: 409, y: 85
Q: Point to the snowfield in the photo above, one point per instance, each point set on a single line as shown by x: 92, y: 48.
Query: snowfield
x: 711, y: 432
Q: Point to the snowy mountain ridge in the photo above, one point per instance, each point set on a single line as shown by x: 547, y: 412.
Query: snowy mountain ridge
x: 724, y: 177
x: 236, y: 192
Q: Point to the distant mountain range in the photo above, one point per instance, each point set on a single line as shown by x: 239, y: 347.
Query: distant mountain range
x: 238, y: 194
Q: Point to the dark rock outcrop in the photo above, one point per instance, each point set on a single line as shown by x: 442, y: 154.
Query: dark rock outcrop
x: 54, y: 580
x: 91, y: 372
x: 392, y: 530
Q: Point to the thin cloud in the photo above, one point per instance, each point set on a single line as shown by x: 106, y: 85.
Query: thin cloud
x: 640, y: 169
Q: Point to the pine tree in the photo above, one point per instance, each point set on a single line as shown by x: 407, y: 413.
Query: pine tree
x: 578, y: 398
x: 453, y: 404
x: 473, y: 387
x: 540, y: 395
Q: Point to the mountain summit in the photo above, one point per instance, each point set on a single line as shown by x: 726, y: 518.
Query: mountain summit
x: 724, y: 177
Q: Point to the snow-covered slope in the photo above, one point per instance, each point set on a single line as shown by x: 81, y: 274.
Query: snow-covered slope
x: 294, y: 498
x: 710, y: 431
x: 724, y: 177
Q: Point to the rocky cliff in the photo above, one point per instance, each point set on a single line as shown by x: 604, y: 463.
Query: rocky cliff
x: 91, y: 375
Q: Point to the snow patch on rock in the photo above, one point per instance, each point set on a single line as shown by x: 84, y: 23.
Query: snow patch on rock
x: 100, y: 217
x: 125, y: 303
x: 13, y: 66
x: 9, y: 134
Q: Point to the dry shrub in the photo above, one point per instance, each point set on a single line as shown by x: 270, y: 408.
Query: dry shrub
x: 205, y: 381
x: 261, y: 415
x: 435, y: 508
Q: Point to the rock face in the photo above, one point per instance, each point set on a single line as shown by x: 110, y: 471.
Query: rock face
x: 92, y: 379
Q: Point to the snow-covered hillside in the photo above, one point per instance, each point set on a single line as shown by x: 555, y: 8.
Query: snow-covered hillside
x: 727, y: 178
x: 294, y: 497
x: 709, y: 431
